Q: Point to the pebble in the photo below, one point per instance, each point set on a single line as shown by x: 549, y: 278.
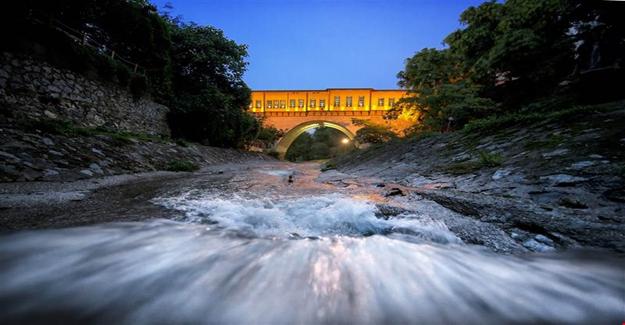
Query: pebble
x: 49, y: 114
x: 97, y: 151
x: 563, y: 179
x: 557, y: 152
x: 47, y: 141
x: 56, y: 153
x: 86, y: 172
x: 501, y: 173
x: 582, y: 164
x: 544, y: 239
x: 8, y: 156
x: 96, y: 168
x: 50, y: 172
x: 536, y: 246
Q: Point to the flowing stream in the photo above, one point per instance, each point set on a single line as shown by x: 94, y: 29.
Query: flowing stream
x: 325, y: 258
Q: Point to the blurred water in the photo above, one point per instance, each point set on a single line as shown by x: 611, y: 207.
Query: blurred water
x: 323, y: 259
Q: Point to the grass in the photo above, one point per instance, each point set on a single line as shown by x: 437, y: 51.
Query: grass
x: 182, y: 165
x: 485, y: 160
x: 69, y: 129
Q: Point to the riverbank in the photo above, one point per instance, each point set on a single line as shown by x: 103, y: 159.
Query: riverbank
x: 556, y: 184
x: 276, y: 242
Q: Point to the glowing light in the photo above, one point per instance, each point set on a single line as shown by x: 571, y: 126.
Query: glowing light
x: 345, y: 141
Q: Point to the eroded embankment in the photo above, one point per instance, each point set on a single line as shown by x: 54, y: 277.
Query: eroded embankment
x: 556, y: 183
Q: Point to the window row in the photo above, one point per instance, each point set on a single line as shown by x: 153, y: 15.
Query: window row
x: 322, y: 103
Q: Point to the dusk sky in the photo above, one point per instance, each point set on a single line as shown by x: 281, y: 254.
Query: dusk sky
x: 318, y: 44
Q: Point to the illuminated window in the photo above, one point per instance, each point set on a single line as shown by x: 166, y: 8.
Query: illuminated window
x: 391, y: 102
x: 361, y: 101
x: 269, y: 104
x: 282, y: 104
x: 337, y: 101
x: 300, y: 103
x: 313, y: 103
x: 292, y: 103
x: 276, y: 104
x: 258, y: 103
x: 322, y: 103
x: 381, y: 102
x: 348, y: 101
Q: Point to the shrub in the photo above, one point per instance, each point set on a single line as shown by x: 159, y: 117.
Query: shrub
x: 182, y: 166
x: 138, y: 86
x: 328, y: 166
x: 488, y: 159
x: 106, y: 67
x: 273, y: 153
x: 123, y: 74
x: 485, y: 159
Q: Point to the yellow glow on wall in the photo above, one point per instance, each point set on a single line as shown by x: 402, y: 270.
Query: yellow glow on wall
x: 362, y: 99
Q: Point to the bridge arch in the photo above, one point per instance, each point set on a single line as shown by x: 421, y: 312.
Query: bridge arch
x: 285, y: 142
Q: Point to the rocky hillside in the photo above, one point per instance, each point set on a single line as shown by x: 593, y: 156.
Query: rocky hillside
x: 55, y: 151
x: 557, y: 183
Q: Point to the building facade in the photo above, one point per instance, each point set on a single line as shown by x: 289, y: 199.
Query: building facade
x: 328, y: 100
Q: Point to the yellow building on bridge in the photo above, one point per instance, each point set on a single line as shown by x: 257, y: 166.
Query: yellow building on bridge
x: 296, y: 111
x: 332, y: 99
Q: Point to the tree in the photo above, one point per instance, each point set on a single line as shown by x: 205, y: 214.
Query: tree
x: 210, y: 96
x: 324, y: 143
x: 372, y: 132
x: 511, y: 54
x: 441, y: 90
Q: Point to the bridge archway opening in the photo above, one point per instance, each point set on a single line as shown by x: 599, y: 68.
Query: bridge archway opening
x: 287, y: 140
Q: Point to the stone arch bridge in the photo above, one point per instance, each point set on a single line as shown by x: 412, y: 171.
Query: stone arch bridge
x: 295, y: 111
x: 293, y: 124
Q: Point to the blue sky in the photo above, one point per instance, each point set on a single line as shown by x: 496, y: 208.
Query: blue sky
x: 318, y: 44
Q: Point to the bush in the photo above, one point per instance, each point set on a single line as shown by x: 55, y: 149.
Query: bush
x: 488, y: 159
x: 273, y: 153
x: 328, y: 166
x: 182, y: 166
x: 138, y: 86
x: 374, y: 134
x: 106, y: 67
x: 123, y: 75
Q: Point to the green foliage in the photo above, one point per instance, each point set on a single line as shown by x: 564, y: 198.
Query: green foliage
x: 528, y: 117
x: 328, y: 165
x: 69, y: 129
x: 373, y: 133
x: 269, y: 135
x: 209, y: 95
x: 182, y: 166
x: 123, y: 74
x: 509, y: 55
x: 132, y: 28
x: 138, y: 85
x: 552, y: 141
x: 324, y: 143
x: 195, y: 70
x: 443, y: 91
x: 485, y: 160
x: 488, y: 159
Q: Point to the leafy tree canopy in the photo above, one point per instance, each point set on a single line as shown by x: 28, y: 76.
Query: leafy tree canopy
x: 511, y: 54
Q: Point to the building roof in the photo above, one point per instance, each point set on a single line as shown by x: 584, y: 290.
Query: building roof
x: 327, y: 89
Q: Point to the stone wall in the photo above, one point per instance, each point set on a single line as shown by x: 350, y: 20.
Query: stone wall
x: 36, y: 90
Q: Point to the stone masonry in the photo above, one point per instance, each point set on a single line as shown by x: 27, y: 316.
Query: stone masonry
x: 35, y: 90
